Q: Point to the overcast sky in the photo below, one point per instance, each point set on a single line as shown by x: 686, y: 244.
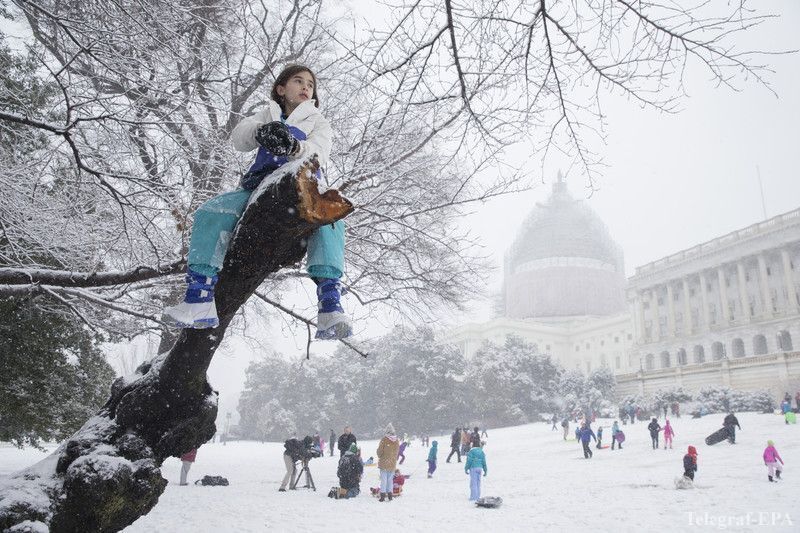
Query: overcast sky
x: 674, y: 181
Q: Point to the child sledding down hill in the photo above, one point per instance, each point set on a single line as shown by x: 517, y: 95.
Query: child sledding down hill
x: 291, y: 128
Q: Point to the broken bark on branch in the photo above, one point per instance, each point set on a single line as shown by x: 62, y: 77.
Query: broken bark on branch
x: 108, y: 474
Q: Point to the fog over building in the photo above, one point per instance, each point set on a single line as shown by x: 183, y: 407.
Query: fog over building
x: 723, y: 312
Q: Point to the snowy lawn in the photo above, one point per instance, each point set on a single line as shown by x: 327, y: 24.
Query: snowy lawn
x: 545, y: 483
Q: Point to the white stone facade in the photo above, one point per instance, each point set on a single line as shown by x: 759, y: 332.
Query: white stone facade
x: 723, y: 312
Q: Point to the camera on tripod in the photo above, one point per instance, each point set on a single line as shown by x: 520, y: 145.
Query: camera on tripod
x: 305, y: 450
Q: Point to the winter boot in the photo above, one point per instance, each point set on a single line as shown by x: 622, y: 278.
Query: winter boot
x: 770, y: 477
x: 198, y: 310
x: 778, y: 474
x: 332, y: 323
x: 389, y: 495
x: 383, y: 495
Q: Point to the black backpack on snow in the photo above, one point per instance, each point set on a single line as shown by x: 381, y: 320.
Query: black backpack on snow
x: 212, y: 481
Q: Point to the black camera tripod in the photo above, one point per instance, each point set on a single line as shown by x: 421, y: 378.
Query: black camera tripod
x: 309, y: 480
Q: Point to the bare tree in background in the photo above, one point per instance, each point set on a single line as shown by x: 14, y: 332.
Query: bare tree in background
x: 148, y: 92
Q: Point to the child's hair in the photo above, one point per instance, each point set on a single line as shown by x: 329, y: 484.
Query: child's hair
x: 284, y: 77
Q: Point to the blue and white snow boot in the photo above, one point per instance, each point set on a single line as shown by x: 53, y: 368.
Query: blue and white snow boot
x: 198, y: 309
x: 332, y: 323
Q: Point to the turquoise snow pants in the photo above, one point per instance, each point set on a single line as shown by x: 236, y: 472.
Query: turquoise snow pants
x: 216, y: 219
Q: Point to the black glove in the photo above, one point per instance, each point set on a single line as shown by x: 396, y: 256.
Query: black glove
x: 276, y: 137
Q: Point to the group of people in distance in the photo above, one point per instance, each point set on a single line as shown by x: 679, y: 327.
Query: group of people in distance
x: 584, y: 434
x: 351, y: 466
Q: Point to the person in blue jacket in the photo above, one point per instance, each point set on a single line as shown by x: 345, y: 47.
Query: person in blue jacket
x: 474, y: 467
x: 586, y: 434
x: 290, y: 129
x: 434, y: 449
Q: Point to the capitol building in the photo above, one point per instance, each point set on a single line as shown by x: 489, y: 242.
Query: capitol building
x: 723, y: 312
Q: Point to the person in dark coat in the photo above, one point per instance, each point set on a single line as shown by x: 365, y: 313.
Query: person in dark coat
x: 731, y: 422
x: 654, y: 428
x: 345, y: 440
x: 349, y: 472
x: 554, y: 420
x: 331, y: 440
x: 475, y: 438
x: 586, y: 434
x: 455, y: 445
x: 690, y: 463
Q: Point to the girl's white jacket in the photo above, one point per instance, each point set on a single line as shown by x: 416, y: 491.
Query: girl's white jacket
x: 305, y: 117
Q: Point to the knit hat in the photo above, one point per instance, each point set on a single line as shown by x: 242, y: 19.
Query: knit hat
x: 770, y: 443
x: 353, y: 448
x: 390, y: 429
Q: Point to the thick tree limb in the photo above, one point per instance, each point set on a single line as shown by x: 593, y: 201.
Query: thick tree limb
x: 108, y: 474
x: 65, y: 278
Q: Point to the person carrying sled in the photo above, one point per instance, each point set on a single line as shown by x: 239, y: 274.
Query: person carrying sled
x: 585, y: 434
x: 290, y: 129
x: 432, y: 452
x: 455, y: 445
x: 771, y: 458
x: 387, y: 461
x: 731, y: 423
x: 668, y: 434
x: 654, y: 428
x: 474, y: 467
x: 614, y: 432
x: 349, y: 472
x: 690, y: 463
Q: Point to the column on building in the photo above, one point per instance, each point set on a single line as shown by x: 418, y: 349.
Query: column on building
x: 670, y: 311
x: 788, y: 281
x: 723, y: 296
x: 687, y: 308
x: 639, y: 317
x: 656, y: 329
x: 743, y: 298
x: 766, y: 301
x: 706, y: 315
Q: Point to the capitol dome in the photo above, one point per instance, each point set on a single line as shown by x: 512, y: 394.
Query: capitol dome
x: 563, y: 263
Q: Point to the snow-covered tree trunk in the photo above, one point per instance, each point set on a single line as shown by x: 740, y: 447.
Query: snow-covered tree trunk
x: 108, y: 474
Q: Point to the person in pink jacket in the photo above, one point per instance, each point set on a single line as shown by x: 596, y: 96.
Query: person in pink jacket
x: 668, y: 434
x: 186, y: 463
x: 771, y: 458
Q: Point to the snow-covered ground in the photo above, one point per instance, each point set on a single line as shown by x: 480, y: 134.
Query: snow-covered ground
x: 545, y: 483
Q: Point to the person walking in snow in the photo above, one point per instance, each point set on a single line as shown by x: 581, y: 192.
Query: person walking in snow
x: 350, y: 471
x: 345, y: 440
x: 690, y: 463
x: 475, y: 467
x: 290, y: 129
x: 578, y: 433
x: 797, y: 401
x: 475, y: 438
x: 331, y: 440
x: 771, y: 458
x: 400, y: 452
x: 465, y: 440
x: 731, y: 422
x: 187, y: 460
x: 387, y: 461
x: 565, y: 427
x: 455, y: 445
x: 432, y: 452
x: 668, y: 434
x: 585, y: 434
x: 614, y: 431
x: 554, y: 420
x: 654, y: 428
x: 599, y: 437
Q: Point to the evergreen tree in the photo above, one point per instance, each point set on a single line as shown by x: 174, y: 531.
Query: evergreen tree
x: 53, y: 376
